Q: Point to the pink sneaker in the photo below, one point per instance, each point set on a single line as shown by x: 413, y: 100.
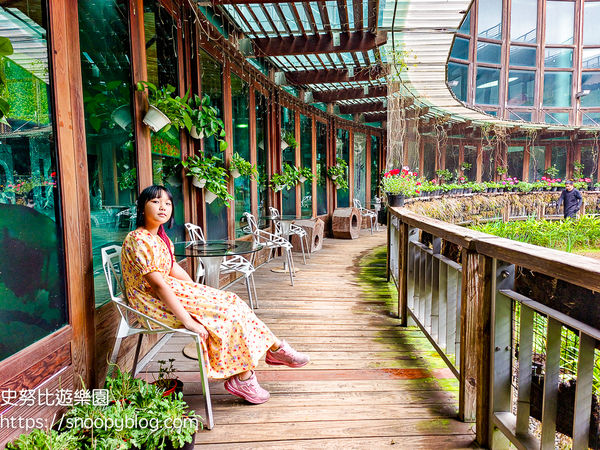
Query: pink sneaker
x: 248, y: 389
x: 286, y: 356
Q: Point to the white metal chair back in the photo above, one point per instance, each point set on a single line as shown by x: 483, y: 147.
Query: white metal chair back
x: 274, y: 212
x: 357, y: 203
x: 111, y: 264
x: 371, y: 215
x: 195, y: 232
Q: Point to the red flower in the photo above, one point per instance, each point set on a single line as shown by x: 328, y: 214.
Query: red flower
x: 418, y: 183
x: 395, y: 171
x: 53, y: 174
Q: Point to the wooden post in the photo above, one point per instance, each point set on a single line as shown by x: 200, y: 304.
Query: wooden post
x: 475, y: 342
x: 389, y: 237
x: 403, y: 274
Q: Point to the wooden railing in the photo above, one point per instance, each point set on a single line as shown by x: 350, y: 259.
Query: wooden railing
x: 474, y: 296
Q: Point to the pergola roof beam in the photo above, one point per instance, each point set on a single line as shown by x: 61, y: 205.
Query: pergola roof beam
x: 333, y: 75
x: 361, y: 108
x: 347, y: 94
x: 356, y: 41
x: 247, y: 2
x: 377, y: 117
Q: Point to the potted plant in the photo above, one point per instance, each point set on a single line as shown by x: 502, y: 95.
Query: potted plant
x: 500, y: 170
x: 165, y: 379
x: 287, y: 179
x: 338, y: 170
x: 399, y: 184
x: 42, y: 439
x: 551, y: 172
x: 216, y: 183
x: 305, y: 174
x: 288, y: 140
x: 239, y: 166
x: 206, y: 122
x: 444, y: 175
x: 197, y: 167
x: 165, y: 110
x: 465, y: 166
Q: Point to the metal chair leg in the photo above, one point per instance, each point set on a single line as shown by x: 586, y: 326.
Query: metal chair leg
x: 204, y: 383
x: 290, y: 265
x: 254, y: 289
x: 249, y: 292
x: 137, y: 355
x: 307, y: 247
x: 302, y: 247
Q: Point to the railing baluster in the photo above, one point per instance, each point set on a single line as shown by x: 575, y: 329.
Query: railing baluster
x: 451, y: 313
x: 435, y: 290
x: 422, y: 285
x: 457, y: 331
x: 410, y: 284
x: 525, y: 358
x: 442, y: 304
x: 583, y: 392
x: 550, y: 403
x: 427, y: 291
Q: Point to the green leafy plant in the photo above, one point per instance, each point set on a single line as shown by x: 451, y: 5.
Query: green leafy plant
x: 338, y: 174
x: 244, y: 167
x: 287, y: 179
x: 578, y: 170
x: 466, y: 166
x: 6, y: 49
x: 212, y: 171
x: 444, y: 175
x: 45, y: 440
x: 175, y: 108
x: 205, y: 121
x: 289, y: 138
x: 551, y: 172
x: 501, y: 170
x: 306, y: 173
x: 403, y: 182
x: 165, y: 378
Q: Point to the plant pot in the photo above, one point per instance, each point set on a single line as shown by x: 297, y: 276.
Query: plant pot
x: 175, y: 386
x: 337, y: 186
x: 395, y: 199
x: 333, y: 177
x: 284, y: 145
x: 156, y: 119
x: 198, y: 182
x: 277, y: 188
x: 186, y: 446
x: 122, y: 116
x: 301, y: 179
x: 235, y: 173
x: 209, y: 196
x: 195, y: 133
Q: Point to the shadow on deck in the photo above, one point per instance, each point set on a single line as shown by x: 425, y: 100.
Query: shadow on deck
x: 370, y: 383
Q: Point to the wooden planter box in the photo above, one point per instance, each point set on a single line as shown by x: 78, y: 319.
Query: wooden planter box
x: 345, y: 223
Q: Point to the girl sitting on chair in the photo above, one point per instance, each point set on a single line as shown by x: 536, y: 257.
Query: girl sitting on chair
x: 234, y: 338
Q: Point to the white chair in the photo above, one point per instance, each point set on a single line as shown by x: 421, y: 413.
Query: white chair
x: 236, y: 263
x: 272, y: 242
x: 111, y: 263
x: 364, y: 212
x: 294, y: 229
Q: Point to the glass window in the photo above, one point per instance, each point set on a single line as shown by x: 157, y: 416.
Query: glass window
x: 360, y: 167
x: 458, y: 77
x: 306, y: 161
x: 288, y: 156
x: 487, y: 86
x: 470, y: 157
x: 488, y: 53
x: 521, y: 87
x: 558, y: 57
x: 428, y: 169
x: 491, y: 112
x: 590, y: 81
x: 557, y: 118
x: 212, y: 85
x: 487, y: 164
x: 520, y: 115
x: 452, y: 154
x: 161, y: 60
x: 240, y: 98
x: 523, y: 20
x: 321, y: 168
x: 465, y: 26
x: 559, y: 22
x: 590, y: 118
x: 591, y: 58
x: 489, y: 24
x: 591, y: 18
x: 523, y: 56
x: 557, y: 88
x: 374, y: 166
x: 460, y: 48
x: 109, y: 131
x: 32, y: 286
x: 262, y: 156
x: 589, y: 159
x: 342, y: 146
x: 537, y: 161
x: 558, y: 159
x: 515, y: 162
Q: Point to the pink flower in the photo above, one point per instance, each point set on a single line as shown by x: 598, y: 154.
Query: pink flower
x: 418, y: 183
x: 587, y: 180
x: 543, y: 178
x: 417, y: 191
x: 434, y: 181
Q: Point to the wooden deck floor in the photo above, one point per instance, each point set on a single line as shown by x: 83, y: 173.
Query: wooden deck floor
x: 370, y: 383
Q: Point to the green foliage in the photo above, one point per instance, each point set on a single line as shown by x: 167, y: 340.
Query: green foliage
x: 45, y: 440
x: 551, y: 172
x: 174, y: 107
x: 306, y: 172
x: 206, y: 120
x: 565, y: 235
x: 444, y: 174
x: 101, y: 100
x: 212, y: 170
x: 165, y: 373
x: 6, y: 49
x: 338, y: 174
x: 578, y: 170
x: 289, y: 138
x: 244, y: 167
x: 288, y: 179
x: 500, y: 170
x: 466, y: 166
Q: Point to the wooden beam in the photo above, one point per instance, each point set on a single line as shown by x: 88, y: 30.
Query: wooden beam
x: 334, y: 75
x: 356, y: 41
x: 365, y: 107
x: 246, y: 2
x: 378, y: 117
x: 347, y: 94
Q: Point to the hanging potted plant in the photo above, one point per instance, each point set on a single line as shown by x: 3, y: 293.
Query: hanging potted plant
x: 205, y: 121
x: 197, y: 168
x: 288, y: 140
x: 305, y: 174
x: 338, y: 173
x: 216, y: 184
x: 165, y: 110
x: 288, y: 179
x: 239, y: 166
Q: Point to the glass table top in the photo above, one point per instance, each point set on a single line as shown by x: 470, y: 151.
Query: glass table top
x: 215, y: 248
x: 286, y: 217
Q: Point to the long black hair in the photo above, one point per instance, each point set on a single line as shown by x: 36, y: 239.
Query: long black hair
x: 150, y: 193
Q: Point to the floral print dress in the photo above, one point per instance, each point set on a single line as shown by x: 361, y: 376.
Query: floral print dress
x: 237, y: 338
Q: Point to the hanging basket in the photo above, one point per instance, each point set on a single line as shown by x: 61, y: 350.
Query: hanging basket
x: 235, y: 173
x: 156, y: 119
x: 301, y: 179
x: 333, y: 177
x: 284, y: 145
x: 198, y: 182
x: 209, y: 196
x: 195, y: 133
x: 122, y: 116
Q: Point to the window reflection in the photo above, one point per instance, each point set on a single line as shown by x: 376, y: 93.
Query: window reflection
x: 470, y: 157
x: 489, y: 23
x: 523, y: 23
x: 288, y: 156
x: 465, y: 26
x: 557, y: 118
x: 523, y: 56
x: 557, y: 88
x: 458, y: 75
x: 306, y: 200
x: 374, y: 166
x: 589, y: 159
x: 262, y: 155
x: 321, y: 168
x: 460, y: 49
x: 488, y: 53
x: 590, y: 81
x: 515, y: 162
x: 591, y: 58
x: 360, y: 163
x: 537, y: 161
x: 559, y: 57
x: 559, y: 22
x: 487, y: 86
x: 521, y: 87
x: 342, y: 146
x: 591, y: 19
x: 241, y: 144
x: 32, y: 296
x: 559, y: 160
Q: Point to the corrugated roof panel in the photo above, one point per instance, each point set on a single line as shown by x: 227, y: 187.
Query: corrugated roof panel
x: 260, y: 15
x: 316, y: 14
x: 290, y: 18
